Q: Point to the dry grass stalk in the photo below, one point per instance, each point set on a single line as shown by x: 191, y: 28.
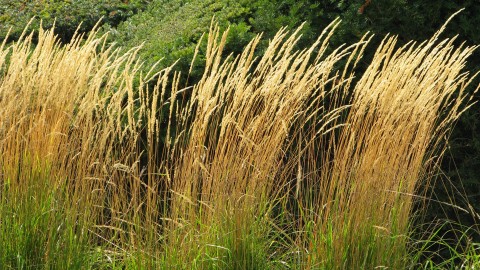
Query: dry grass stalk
x: 71, y: 121
x: 402, y: 109
x: 287, y: 126
x: 242, y: 117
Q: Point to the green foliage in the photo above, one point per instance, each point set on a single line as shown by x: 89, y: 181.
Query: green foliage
x: 66, y: 14
x: 170, y: 30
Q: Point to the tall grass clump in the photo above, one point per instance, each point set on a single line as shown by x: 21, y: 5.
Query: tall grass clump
x: 230, y: 163
x: 288, y: 139
x: 70, y: 124
x: 401, y: 110
x: 286, y: 159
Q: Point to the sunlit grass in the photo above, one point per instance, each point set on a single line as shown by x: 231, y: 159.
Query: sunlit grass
x: 285, y: 160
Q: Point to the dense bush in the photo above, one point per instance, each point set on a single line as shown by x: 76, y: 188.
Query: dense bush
x: 170, y: 30
x: 66, y: 14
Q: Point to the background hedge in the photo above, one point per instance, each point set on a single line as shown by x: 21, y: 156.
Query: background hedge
x: 67, y: 14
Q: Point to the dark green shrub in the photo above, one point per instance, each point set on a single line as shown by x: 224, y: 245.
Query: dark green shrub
x: 66, y: 14
x: 170, y: 30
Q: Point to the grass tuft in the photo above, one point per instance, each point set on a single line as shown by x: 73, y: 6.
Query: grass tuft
x: 285, y: 160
